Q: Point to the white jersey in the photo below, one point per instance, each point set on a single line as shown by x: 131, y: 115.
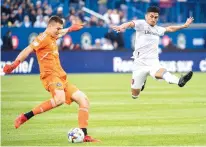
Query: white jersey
x: 147, y: 40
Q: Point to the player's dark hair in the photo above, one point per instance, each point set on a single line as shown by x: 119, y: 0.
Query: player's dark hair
x: 56, y: 19
x: 154, y: 9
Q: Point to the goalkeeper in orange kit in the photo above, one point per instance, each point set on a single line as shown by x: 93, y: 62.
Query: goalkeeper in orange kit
x: 52, y: 75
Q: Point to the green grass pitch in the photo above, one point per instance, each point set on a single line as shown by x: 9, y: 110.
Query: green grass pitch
x: 163, y: 115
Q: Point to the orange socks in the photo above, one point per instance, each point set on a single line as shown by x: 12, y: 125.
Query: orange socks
x: 83, y: 117
x: 45, y: 106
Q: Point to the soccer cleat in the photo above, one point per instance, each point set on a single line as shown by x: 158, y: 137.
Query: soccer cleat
x: 143, y: 85
x: 184, y: 79
x: 20, y: 120
x: 90, y: 139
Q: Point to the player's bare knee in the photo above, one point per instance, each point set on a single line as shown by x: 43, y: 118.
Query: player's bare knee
x: 80, y: 98
x: 59, y: 97
x: 159, y: 73
x: 83, y: 101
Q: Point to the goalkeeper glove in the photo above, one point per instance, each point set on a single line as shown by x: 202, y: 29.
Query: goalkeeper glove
x: 9, y: 68
x: 75, y: 27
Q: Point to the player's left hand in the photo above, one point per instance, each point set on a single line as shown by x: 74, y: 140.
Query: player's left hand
x: 188, y: 22
x: 76, y: 27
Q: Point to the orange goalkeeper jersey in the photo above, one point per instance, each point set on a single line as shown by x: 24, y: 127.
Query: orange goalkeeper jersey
x: 48, y: 56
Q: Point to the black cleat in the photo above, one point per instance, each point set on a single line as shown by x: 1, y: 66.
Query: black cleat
x: 184, y: 79
x: 143, y: 85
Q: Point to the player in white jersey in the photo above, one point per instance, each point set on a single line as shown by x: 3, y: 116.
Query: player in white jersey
x: 146, y: 60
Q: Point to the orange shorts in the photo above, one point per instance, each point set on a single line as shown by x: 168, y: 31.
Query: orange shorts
x: 52, y: 83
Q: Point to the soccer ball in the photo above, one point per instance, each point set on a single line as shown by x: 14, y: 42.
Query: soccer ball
x: 76, y: 135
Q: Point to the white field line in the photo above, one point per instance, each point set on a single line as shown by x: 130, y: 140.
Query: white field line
x: 112, y: 88
x: 165, y: 92
x: 112, y: 146
x: 129, y: 101
x: 139, y: 130
x: 151, y: 130
x: 134, y: 116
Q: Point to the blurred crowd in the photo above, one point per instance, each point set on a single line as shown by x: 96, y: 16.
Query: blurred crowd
x: 110, y: 41
x: 24, y: 13
x: 36, y: 13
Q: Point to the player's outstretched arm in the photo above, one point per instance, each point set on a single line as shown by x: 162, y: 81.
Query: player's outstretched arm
x: 123, y: 26
x: 176, y: 28
x: 8, y: 68
x: 72, y: 28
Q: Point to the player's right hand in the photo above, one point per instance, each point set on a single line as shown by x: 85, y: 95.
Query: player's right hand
x: 8, y: 68
x: 117, y: 28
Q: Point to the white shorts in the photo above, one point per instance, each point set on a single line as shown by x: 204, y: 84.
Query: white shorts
x: 141, y: 69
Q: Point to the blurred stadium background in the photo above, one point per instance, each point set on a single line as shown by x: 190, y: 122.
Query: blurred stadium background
x: 164, y: 114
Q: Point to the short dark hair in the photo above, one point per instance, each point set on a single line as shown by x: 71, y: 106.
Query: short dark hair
x: 153, y: 9
x: 55, y: 19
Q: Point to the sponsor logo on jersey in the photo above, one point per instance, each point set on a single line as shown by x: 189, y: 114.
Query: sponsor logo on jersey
x: 151, y: 33
x: 58, y: 84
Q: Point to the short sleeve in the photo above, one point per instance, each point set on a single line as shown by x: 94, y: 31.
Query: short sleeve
x: 137, y: 24
x: 39, y: 42
x: 161, y: 30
